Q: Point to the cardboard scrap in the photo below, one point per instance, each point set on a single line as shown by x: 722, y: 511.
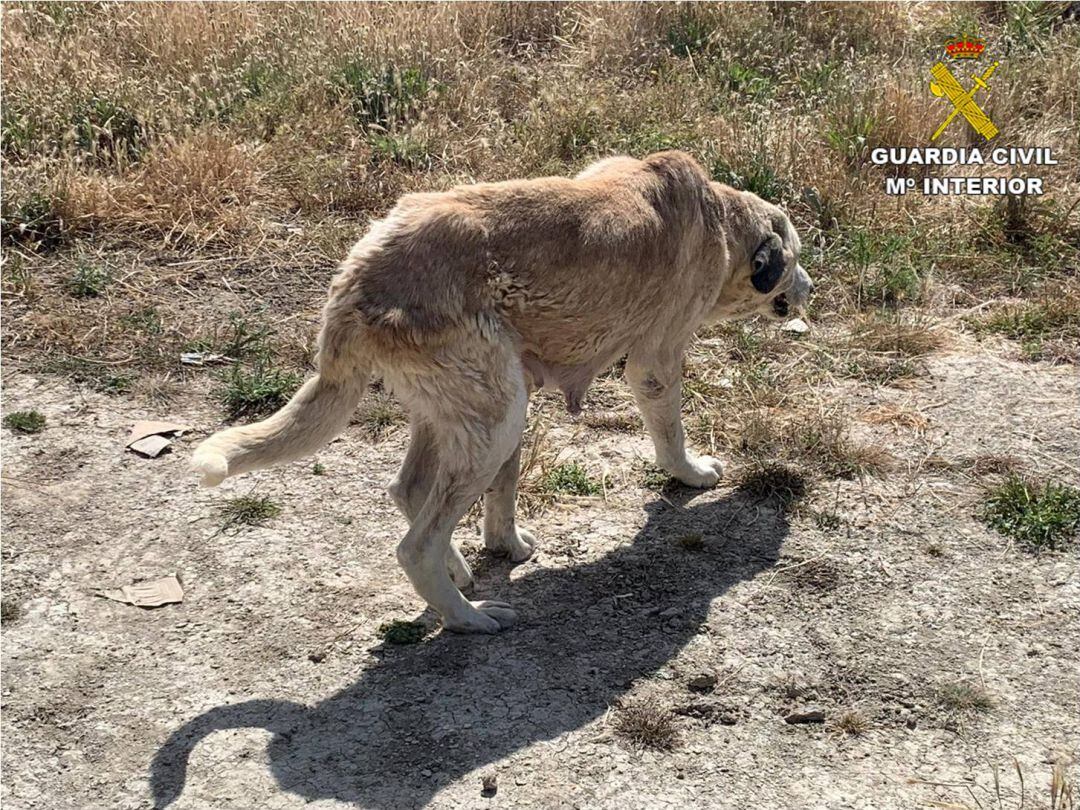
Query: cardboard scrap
x: 150, y: 438
x: 151, y: 593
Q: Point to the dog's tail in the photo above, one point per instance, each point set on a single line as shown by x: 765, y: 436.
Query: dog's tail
x: 317, y: 413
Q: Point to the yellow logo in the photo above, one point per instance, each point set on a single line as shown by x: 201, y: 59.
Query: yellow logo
x: 944, y: 83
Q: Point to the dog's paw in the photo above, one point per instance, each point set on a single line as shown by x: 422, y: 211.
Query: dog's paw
x: 518, y: 546
x: 701, y: 472
x: 485, y: 617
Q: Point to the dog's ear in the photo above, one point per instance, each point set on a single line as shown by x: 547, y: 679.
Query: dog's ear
x: 768, y: 264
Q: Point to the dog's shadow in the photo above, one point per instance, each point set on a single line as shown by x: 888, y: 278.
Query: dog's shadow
x: 426, y: 715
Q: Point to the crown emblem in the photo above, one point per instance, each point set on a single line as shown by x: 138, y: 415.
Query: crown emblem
x: 965, y: 47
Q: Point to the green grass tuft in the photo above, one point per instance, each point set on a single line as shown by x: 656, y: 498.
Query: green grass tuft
x: 88, y: 281
x: 258, y: 390
x: 402, y: 632
x: 1037, y: 515
x: 570, y: 479
x: 962, y: 696
x: 249, y: 510
x: 25, y: 421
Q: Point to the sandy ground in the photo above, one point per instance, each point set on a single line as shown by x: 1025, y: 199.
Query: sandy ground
x: 269, y: 687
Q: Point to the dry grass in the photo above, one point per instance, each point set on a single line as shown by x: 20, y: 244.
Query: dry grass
x: 160, y: 156
x: 647, y: 724
x: 852, y: 722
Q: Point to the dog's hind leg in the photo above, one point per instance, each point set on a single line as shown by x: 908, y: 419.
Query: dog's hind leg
x: 502, y: 535
x: 411, y: 485
x: 476, y: 412
x: 656, y: 380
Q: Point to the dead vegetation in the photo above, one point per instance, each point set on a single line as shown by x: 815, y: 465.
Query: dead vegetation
x: 647, y: 724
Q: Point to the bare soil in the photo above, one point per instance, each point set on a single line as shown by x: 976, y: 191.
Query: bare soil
x: 269, y: 686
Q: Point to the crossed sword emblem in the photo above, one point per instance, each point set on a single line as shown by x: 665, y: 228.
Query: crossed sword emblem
x: 945, y: 84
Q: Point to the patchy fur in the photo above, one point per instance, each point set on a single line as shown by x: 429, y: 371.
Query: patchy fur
x: 466, y: 301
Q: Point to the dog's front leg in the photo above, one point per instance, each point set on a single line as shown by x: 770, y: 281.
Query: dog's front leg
x: 657, y: 385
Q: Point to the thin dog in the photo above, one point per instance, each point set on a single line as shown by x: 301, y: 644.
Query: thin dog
x: 466, y: 301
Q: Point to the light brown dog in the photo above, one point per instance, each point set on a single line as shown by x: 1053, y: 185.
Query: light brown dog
x: 466, y: 301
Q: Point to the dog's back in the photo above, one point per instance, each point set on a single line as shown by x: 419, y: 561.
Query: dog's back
x: 551, y: 255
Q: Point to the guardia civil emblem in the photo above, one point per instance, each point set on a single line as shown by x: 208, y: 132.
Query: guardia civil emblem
x: 962, y: 51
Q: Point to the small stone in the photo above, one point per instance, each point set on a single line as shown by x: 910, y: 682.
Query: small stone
x: 489, y: 785
x: 317, y: 657
x: 796, y: 325
x: 703, y: 683
x: 805, y: 715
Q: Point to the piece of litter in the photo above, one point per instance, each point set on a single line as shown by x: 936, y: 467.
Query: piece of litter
x: 796, y: 325
x: 150, y: 438
x: 151, y: 446
x: 201, y: 358
x: 151, y: 593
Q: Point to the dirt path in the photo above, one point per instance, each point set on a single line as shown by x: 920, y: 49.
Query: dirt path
x: 269, y: 687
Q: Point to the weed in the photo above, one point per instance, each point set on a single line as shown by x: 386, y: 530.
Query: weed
x: 107, y: 130
x: 1038, y: 516
x: 746, y: 81
x: 687, y: 35
x: 848, y: 132
x: 378, y: 414
x: 249, y: 510
x: 318, y: 468
x: 1054, y: 315
x: 754, y: 174
x: 258, y: 390
x: 31, y: 221
x: 654, y: 478
x: 852, y: 722
x: 25, y: 421
x: 887, y: 276
x: 400, y: 150
x: 570, y: 479
x: 646, y: 724
x: 1029, y: 23
x: 776, y: 482
x: 402, y: 632
x: 88, y: 281
x: 961, y: 696
x: 382, y: 97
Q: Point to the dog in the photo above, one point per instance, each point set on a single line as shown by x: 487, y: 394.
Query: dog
x: 466, y: 301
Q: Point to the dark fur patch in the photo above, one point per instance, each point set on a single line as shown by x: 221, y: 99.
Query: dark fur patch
x: 768, y: 266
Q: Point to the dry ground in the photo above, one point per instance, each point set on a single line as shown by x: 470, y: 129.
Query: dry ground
x: 273, y: 669
x: 184, y: 178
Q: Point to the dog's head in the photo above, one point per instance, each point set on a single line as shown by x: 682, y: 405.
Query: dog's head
x: 763, y: 249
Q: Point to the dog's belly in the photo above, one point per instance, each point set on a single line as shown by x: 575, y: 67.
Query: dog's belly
x: 572, y: 379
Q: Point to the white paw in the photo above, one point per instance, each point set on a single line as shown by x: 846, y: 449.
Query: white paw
x: 485, y: 617
x: 518, y: 546
x: 701, y: 472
